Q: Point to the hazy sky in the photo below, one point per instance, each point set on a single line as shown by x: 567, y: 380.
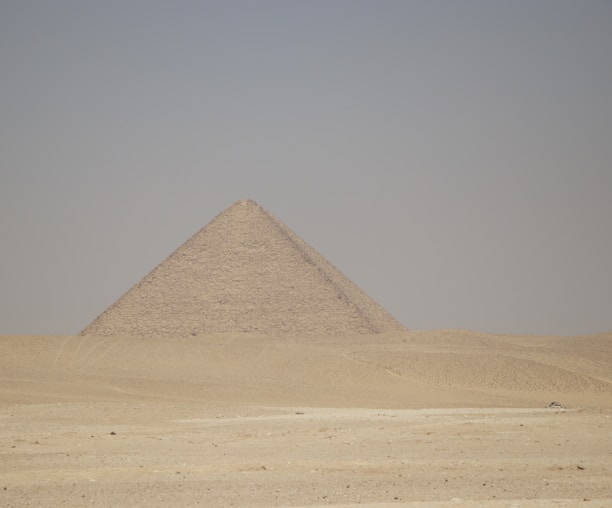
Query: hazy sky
x: 453, y: 158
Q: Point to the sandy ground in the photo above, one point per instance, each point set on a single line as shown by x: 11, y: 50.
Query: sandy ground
x: 430, y: 419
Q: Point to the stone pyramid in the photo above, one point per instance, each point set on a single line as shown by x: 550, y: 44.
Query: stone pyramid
x: 244, y: 272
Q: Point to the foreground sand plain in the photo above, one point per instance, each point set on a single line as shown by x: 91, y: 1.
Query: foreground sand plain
x: 436, y: 419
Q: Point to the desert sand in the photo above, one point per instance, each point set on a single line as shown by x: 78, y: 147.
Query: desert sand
x: 430, y: 419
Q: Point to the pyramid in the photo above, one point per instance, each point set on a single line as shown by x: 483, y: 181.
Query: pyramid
x: 245, y: 271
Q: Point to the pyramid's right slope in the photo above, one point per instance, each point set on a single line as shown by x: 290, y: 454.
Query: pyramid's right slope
x: 244, y: 272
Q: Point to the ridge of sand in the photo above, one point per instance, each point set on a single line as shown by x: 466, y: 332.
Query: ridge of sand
x: 399, y: 370
x: 245, y: 271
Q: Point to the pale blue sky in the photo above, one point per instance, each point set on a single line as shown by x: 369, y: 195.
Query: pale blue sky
x: 454, y: 158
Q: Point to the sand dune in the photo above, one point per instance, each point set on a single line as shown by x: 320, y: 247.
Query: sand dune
x: 441, y: 418
x: 403, y: 370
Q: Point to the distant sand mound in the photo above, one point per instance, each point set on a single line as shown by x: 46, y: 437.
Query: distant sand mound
x: 435, y: 369
x: 244, y: 272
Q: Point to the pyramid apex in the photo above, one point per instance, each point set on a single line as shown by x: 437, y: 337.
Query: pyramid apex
x: 246, y: 202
